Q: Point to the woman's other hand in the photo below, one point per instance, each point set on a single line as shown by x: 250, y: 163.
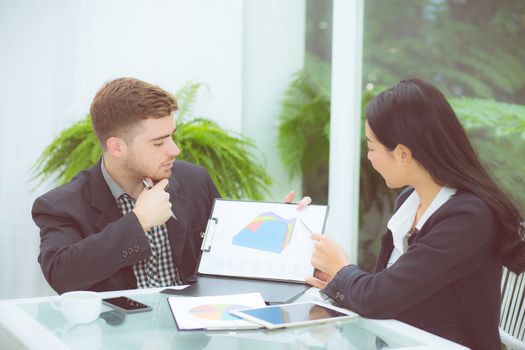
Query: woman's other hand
x: 328, y: 257
x: 319, y: 280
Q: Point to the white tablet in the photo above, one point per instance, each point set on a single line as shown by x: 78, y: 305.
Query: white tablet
x: 297, y: 314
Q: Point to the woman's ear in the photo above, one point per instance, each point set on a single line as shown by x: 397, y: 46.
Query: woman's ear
x: 403, y: 155
x: 116, y: 146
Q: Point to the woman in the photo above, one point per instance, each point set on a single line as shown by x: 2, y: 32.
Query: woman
x: 439, y: 268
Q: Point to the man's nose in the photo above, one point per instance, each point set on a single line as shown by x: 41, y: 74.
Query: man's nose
x: 174, y: 149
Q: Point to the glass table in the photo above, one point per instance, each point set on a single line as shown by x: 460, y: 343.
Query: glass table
x: 37, y: 325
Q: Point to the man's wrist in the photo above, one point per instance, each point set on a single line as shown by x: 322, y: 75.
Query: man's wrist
x: 142, y: 222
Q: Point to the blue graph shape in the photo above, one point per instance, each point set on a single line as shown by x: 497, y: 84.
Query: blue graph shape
x: 269, y: 236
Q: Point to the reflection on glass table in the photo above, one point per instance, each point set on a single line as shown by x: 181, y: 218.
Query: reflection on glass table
x: 38, y: 325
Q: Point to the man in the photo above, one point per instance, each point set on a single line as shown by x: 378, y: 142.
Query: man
x: 134, y: 219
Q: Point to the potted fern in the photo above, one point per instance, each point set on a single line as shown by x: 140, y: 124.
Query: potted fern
x: 228, y: 156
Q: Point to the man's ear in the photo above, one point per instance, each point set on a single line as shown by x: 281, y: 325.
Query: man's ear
x: 116, y: 146
x: 403, y: 154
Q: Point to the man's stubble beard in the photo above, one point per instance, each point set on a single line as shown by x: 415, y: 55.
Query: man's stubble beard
x: 138, y: 171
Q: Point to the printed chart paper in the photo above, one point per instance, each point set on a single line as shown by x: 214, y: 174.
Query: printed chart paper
x: 213, y: 313
x: 261, y: 240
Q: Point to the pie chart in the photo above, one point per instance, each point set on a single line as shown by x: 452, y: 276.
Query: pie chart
x: 216, y: 311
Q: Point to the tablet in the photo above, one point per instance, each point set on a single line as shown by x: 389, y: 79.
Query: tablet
x: 297, y: 314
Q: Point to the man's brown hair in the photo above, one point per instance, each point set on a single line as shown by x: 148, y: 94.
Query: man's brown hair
x: 122, y: 103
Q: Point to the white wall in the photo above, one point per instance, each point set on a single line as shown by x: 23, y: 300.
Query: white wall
x: 56, y: 54
x: 168, y: 43
x: 274, y: 32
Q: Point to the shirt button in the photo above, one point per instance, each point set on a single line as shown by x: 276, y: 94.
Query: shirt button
x: 124, y: 254
x: 130, y: 250
x: 136, y: 248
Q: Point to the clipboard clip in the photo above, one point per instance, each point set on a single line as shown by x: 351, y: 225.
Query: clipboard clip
x: 208, y: 234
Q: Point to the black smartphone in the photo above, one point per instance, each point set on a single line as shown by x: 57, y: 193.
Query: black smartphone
x: 127, y: 305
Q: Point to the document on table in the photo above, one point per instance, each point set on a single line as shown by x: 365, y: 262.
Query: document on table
x: 213, y: 313
x: 261, y: 240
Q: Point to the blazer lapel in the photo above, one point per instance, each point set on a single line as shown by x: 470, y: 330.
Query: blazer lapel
x: 178, y: 229
x: 387, y: 245
x: 102, y: 199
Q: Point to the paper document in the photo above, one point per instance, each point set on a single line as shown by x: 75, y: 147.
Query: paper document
x: 213, y: 313
x: 261, y: 240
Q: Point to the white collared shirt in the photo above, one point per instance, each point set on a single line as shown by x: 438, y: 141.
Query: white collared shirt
x: 401, y: 222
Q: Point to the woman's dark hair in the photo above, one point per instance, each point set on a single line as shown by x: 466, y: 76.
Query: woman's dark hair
x: 416, y: 114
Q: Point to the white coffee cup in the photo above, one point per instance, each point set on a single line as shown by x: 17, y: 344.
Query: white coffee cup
x: 80, y: 306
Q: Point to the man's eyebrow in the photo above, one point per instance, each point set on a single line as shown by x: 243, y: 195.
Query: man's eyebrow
x: 163, y: 136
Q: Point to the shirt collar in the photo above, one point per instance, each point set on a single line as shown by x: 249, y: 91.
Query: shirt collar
x: 443, y: 195
x: 115, y: 189
x: 401, y: 222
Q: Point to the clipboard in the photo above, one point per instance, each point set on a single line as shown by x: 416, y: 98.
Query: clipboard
x: 251, y: 246
x: 272, y: 292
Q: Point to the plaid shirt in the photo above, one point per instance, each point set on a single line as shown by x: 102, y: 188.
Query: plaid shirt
x: 158, y: 270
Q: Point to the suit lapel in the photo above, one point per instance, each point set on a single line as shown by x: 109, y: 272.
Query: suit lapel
x: 102, y: 199
x: 387, y: 245
x: 178, y: 229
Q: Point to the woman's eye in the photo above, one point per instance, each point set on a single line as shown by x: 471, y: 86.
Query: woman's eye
x: 158, y: 144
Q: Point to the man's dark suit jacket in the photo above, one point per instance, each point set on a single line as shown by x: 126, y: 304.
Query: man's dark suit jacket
x: 87, y: 244
x: 447, y: 283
